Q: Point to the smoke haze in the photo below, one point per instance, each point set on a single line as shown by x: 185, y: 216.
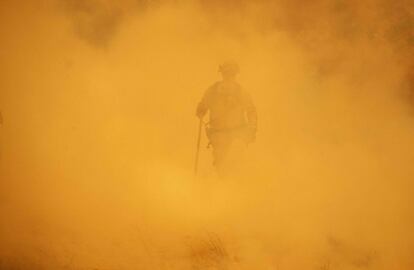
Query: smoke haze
x: 99, y: 132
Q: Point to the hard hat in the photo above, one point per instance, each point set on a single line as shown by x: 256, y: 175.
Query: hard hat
x: 229, y: 67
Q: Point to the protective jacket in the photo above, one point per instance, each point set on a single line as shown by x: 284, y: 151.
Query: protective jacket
x: 229, y: 107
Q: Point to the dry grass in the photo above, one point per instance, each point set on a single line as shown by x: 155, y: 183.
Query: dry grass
x: 209, y: 253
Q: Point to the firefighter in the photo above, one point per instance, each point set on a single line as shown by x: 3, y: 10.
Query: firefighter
x: 232, y: 114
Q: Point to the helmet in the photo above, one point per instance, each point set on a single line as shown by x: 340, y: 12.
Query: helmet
x: 229, y: 67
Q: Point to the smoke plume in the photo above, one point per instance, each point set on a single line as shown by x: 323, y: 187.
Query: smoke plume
x: 99, y: 133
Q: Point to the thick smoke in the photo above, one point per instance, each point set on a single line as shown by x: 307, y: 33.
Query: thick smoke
x: 99, y: 131
x: 93, y: 22
x: 96, y: 21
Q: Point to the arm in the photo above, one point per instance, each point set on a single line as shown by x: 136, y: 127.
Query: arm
x: 203, y: 105
x: 251, y: 113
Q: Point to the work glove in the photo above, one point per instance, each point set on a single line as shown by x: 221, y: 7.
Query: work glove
x: 201, y: 111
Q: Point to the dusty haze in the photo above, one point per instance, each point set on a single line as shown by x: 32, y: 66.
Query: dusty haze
x: 99, y: 131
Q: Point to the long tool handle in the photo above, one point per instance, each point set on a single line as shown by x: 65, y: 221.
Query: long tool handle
x: 200, y: 125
